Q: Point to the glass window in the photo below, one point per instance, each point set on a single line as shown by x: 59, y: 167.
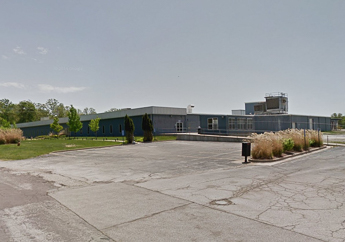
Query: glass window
x: 232, y: 123
x: 241, y: 123
x: 249, y: 123
x: 111, y: 129
x: 212, y: 123
x: 103, y: 130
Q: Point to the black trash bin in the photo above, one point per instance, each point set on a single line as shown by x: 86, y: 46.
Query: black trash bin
x: 246, y: 148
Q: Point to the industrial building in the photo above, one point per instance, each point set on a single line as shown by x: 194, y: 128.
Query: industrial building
x: 258, y: 117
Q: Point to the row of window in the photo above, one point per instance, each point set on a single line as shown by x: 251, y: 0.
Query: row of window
x: 239, y: 123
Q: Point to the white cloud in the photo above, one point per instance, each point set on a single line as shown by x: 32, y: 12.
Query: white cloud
x: 12, y: 84
x: 18, y: 50
x: 42, y: 50
x: 49, y: 88
x: 4, y: 57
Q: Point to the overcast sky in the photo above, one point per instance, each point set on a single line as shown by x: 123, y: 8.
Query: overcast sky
x: 216, y: 54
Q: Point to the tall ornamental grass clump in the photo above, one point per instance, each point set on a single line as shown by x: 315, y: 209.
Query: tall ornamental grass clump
x: 262, y: 150
x: 315, y: 138
x: 269, y: 144
x: 2, y: 138
x: 10, y: 136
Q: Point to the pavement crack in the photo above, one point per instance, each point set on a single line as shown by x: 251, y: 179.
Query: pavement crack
x: 147, y: 216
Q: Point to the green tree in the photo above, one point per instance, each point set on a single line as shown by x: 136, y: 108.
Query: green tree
x: 41, y: 111
x: 55, y: 108
x: 4, y: 123
x: 147, y: 127
x: 56, y: 126
x: 7, y: 110
x: 74, y: 122
x: 26, y: 112
x: 94, y: 125
x: 87, y: 111
x: 341, y: 118
x: 129, y: 128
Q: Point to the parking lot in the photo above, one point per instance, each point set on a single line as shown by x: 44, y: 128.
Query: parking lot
x: 174, y: 191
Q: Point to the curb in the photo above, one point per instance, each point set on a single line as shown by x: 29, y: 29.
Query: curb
x: 287, y: 156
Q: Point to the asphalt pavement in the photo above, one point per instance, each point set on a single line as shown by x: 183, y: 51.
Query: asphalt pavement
x: 172, y: 191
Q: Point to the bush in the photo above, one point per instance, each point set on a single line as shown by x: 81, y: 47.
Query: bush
x: 129, y: 128
x: 315, y: 138
x: 10, y: 136
x: 43, y: 137
x: 262, y: 150
x: 2, y: 138
x: 147, y: 127
x: 288, y: 144
x: 272, y: 144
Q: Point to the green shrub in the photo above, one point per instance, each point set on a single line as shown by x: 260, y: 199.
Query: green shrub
x: 43, y: 137
x: 288, y: 144
x: 129, y: 128
x: 147, y: 127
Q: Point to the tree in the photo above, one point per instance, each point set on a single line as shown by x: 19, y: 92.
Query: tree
x: 56, y: 109
x: 26, y: 112
x: 56, y: 126
x: 94, y: 125
x: 341, y: 122
x: 41, y: 110
x: 4, y: 123
x: 7, y: 110
x: 87, y: 111
x: 112, y: 110
x: 74, y: 123
x: 147, y: 127
x: 129, y: 128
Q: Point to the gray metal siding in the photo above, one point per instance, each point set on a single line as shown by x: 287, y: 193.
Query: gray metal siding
x: 167, y: 123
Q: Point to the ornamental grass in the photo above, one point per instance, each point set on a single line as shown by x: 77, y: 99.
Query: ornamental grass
x: 10, y: 136
x: 269, y: 144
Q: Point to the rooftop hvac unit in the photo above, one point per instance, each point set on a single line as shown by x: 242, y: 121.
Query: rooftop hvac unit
x: 277, y: 103
x: 190, y: 108
x: 260, y: 108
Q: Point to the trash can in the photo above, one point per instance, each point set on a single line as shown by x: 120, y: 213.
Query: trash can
x: 246, y: 148
x: 199, y: 130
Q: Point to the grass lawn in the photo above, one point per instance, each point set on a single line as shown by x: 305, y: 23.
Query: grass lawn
x: 33, y: 148
x: 338, y: 132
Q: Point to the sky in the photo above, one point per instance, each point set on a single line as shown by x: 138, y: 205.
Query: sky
x: 216, y: 55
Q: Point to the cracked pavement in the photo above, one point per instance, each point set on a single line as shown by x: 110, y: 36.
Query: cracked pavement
x: 172, y: 191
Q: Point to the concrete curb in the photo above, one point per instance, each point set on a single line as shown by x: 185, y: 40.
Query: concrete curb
x: 287, y: 156
x: 214, y: 138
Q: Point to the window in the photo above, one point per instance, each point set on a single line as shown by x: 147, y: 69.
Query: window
x: 103, y: 131
x: 232, y: 123
x: 241, y: 123
x: 111, y: 129
x: 250, y: 123
x: 212, y: 123
x: 179, y: 127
